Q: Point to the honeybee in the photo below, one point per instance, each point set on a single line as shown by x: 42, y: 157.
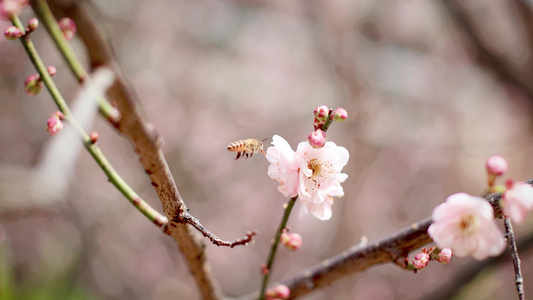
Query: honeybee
x: 246, y: 147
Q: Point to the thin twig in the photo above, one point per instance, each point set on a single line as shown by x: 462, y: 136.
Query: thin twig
x: 91, y: 147
x: 43, y: 12
x: 274, y: 248
x: 519, y: 280
x: 328, y: 122
x: 147, y: 143
x: 187, y: 218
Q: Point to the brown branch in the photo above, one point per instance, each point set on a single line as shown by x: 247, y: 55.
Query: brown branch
x: 519, y: 280
x: 391, y: 249
x: 147, y: 143
x: 213, y: 238
x: 472, y: 270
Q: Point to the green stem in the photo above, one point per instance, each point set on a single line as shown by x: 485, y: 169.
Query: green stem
x: 152, y: 214
x: 328, y: 122
x: 275, y: 244
x: 93, y: 149
x: 44, y: 13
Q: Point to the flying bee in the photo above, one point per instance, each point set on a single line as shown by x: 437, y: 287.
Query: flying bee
x: 246, y: 147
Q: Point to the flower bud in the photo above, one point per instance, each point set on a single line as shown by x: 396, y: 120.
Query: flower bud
x: 280, y: 291
x: 33, y: 84
x: 51, y: 70
x: 68, y: 27
x: 291, y: 241
x: 54, y: 125
x: 321, y: 112
x: 33, y: 23
x: 12, y: 33
x: 317, y: 138
x: 94, y: 137
x: 421, y: 260
x: 496, y: 165
x: 264, y: 269
x: 58, y: 115
x: 445, y: 255
x: 339, y: 115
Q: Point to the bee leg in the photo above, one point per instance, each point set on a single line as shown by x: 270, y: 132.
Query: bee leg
x: 263, y: 152
x: 246, y: 154
x: 238, y: 155
x: 251, y: 154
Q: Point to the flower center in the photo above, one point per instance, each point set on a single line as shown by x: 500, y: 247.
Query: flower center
x: 468, y: 224
x: 315, y: 165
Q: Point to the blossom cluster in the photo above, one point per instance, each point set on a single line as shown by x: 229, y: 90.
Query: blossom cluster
x: 421, y: 260
x: 466, y: 223
x: 312, y: 172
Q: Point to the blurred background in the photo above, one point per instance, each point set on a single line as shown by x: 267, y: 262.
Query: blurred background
x: 432, y: 89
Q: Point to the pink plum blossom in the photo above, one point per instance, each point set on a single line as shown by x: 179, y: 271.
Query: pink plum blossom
x: 466, y: 224
x: 320, y: 177
x: 517, y: 201
x: 283, y: 166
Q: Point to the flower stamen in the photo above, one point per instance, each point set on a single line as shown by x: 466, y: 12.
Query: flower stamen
x: 468, y: 224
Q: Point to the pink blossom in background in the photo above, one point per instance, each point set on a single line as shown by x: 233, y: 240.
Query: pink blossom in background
x: 517, y: 201
x: 320, y: 177
x: 283, y: 166
x: 10, y: 7
x: 466, y: 224
x: 68, y: 27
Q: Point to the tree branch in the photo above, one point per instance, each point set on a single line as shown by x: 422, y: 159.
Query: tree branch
x: 391, y: 249
x: 519, y: 280
x: 472, y: 270
x: 148, y: 145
